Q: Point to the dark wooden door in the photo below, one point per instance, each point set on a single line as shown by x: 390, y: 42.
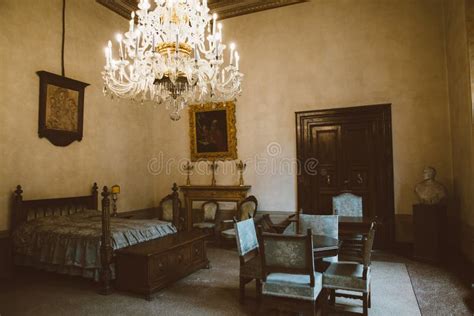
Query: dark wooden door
x: 352, y: 148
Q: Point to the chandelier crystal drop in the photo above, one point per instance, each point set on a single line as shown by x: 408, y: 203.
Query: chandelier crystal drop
x: 173, y: 55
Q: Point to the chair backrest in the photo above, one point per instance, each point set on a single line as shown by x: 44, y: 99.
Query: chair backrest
x: 367, y: 245
x: 248, y: 208
x: 246, y: 236
x: 327, y: 225
x: 210, y: 209
x: 291, y: 254
x: 347, y: 204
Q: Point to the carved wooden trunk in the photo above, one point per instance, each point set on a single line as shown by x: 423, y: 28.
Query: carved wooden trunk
x: 150, y: 266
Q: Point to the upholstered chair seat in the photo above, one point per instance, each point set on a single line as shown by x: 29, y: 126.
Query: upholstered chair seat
x: 228, y: 233
x: 289, y: 279
x: 204, y: 225
x: 347, y: 275
x: 292, y: 286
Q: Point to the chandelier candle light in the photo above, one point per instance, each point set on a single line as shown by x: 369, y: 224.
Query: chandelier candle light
x: 174, y: 55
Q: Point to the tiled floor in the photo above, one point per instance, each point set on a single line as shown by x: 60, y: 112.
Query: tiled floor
x: 439, y: 289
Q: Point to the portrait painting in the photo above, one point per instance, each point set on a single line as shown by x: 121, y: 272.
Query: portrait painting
x: 61, y: 108
x: 212, y: 131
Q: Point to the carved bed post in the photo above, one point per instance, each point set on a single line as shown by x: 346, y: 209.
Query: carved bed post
x: 18, y: 214
x: 176, y: 210
x: 95, y: 196
x: 105, y: 247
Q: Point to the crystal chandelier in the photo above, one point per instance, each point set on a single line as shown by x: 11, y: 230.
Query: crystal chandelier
x: 173, y: 55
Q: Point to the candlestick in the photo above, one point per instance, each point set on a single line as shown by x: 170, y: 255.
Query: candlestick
x: 132, y: 22
x: 214, y: 18
x: 177, y: 44
x: 213, y: 167
x: 119, y: 40
x: 109, y: 44
x: 196, y: 53
x: 188, y: 167
x: 241, y: 167
x: 237, y: 58
x: 232, y: 47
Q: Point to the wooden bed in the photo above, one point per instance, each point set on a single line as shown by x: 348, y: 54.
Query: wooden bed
x: 25, y: 210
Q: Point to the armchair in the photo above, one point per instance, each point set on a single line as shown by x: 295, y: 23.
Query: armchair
x: 250, y: 261
x: 289, y: 279
x: 247, y: 209
x: 327, y: 225
x: 351, y: 276
x: 350, y: 205
x: 347, y: 204
x: 210, y: 209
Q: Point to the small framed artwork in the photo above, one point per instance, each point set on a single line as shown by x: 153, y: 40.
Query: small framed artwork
x: 61, y: 108
x: 212, y: 131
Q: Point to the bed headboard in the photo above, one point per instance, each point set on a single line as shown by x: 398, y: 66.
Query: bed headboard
x: 24, y: 210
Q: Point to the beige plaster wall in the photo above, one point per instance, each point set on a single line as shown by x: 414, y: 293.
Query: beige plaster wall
x: 460, y: 103
x: 335, y: 53
x: 117, y: 136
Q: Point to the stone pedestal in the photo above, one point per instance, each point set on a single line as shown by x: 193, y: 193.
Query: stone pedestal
x: 429, y: 222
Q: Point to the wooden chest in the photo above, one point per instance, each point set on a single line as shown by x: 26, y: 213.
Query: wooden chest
x: 150, y: 266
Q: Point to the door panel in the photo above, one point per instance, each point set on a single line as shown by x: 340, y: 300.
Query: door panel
x: 353, y: 147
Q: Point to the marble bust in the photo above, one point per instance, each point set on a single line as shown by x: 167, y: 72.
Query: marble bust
x: 430, y: 191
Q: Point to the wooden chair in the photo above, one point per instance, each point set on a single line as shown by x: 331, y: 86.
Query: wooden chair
x: 327, y: 225
x: 247, y: 209
x: 289, y: 280
x: 349, y: 205
x: 169, y: 210
x: 250, y: 261
x: 209, y: 210
x: 351, y: 276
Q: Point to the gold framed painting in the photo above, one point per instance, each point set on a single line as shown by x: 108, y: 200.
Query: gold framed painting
x: 212, y: 131
x: 61, y: 108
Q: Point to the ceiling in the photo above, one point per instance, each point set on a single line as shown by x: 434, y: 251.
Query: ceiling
x: 224, y: 8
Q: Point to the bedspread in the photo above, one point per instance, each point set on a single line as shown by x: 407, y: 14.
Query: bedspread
x: 71, y: 244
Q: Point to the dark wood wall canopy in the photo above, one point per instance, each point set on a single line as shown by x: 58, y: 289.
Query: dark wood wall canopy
x: 224, y: 8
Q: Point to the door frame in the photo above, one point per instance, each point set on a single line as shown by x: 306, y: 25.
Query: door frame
x: 380, y: 112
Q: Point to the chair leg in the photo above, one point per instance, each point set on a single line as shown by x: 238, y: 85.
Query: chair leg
x: 365, y: 304
x: 369, y: 302
x: 332, y: 297
x: 324, y: 303
x: 314, y: 309
x: 258, y: 287
x: 243, y: 281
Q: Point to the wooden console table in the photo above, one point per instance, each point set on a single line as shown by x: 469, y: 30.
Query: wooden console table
x: 224, y: 193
